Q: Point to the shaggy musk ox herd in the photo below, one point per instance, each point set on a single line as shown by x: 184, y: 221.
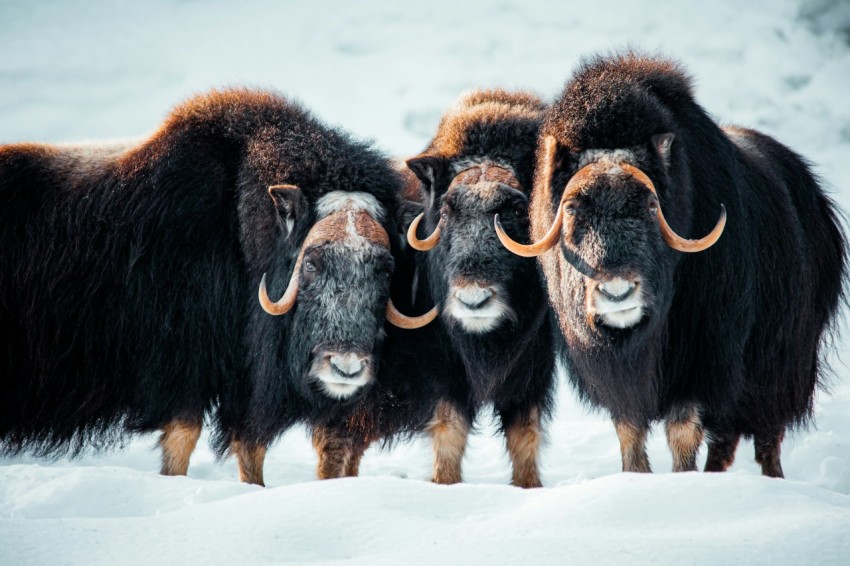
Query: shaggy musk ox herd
x: 248, y: 266
x: 493, y: 344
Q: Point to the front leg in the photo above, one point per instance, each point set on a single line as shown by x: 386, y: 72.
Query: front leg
x: 633, y: 446
x: 249, y: 459
x: 336, y: 453
x: 449, y: 430
x: 523, y: 438
x: 684, y: 436
x: 178, y: 441
x: 352, y: 470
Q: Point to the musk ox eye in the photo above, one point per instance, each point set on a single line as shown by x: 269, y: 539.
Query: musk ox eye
x: 309, y: 266
x: 570, y: 209
x: 653, y: 205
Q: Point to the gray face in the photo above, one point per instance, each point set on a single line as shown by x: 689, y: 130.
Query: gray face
x: 611, y: 226
x: 344, y: 285
x: 477, y: 275
x: 343, y: 295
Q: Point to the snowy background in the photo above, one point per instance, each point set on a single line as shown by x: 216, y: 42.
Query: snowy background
x: 82, y: 70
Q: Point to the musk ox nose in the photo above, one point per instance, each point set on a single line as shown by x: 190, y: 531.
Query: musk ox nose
x: 347, y: 365
x: 473, y: 297
x: 618, y: 289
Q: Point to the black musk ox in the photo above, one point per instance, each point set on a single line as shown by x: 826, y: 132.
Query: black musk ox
x: 129, y: 277
x: 725, y: 338
x: 494, y: 344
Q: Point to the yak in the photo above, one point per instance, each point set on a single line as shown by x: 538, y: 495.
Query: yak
x: 494, y: 343
x: 129, y: 277
x: 720, y: 336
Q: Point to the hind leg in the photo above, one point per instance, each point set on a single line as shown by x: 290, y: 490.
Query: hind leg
x: 249, y: 459
x: 449, y: 430
x: 523, y: 438
x: 721, y: 450
x: 178, y: 441
x: 768, y: 448
x: 633, y: 446
x: 684, y: 436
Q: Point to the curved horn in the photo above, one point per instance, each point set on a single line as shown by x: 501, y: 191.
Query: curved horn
x: 674, y: 240
x: 681, y: 244
x: 285, y: 304
x: 550, y: 146
x: 426, y: 244
x: 409, y: 322
x: 537, y: 248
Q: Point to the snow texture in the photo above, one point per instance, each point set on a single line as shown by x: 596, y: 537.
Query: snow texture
x: 77, y: 70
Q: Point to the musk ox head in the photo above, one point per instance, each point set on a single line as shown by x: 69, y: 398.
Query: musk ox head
x: 606, y: 248
x: 480, y: 283
x: 337, y: 296
x: 480, y: 162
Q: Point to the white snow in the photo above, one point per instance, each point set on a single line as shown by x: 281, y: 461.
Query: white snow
x: 77, y: 70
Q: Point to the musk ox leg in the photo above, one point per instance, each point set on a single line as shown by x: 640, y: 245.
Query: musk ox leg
x: 721, y: 451
x: 249, y: 459
x: 352, y: 470
x: 334, y: 452
x: 633, y: 446
x: 178, y: 441
x: 448, y: 431
x: 768, y: 449
x: 339, y: 454
x: 523, y: 438
x: 684, y: 436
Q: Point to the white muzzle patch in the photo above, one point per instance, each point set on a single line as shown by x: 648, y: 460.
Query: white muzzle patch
x: 478, y: 309
x: 619, y: 303
x: 341, y: 375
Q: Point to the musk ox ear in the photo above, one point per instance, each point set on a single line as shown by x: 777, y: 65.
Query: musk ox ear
x: 430, y: 169
x: 662, y: 144
x: 288, y: 202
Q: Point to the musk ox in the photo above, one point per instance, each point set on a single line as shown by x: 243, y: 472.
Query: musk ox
x: 721, y: 334
x: 129, y: 276
x: 495, y: 343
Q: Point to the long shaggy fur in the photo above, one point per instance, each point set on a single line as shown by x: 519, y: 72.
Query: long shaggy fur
x: 129, y: 274
x: 740, y: 326
x: 512, y: 366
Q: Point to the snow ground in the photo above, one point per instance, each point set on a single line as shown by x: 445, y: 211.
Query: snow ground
x: 75, y: 70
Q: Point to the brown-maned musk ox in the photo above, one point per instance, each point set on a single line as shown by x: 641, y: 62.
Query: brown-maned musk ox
x: 494, y: 343
x: 129, y: 277
x: 722, y: 334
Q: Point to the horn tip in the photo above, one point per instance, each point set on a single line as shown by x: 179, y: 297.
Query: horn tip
x: 263, y: 290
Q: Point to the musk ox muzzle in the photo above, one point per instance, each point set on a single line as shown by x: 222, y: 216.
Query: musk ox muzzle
x: 341, y: 374
x: 618, y: 302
